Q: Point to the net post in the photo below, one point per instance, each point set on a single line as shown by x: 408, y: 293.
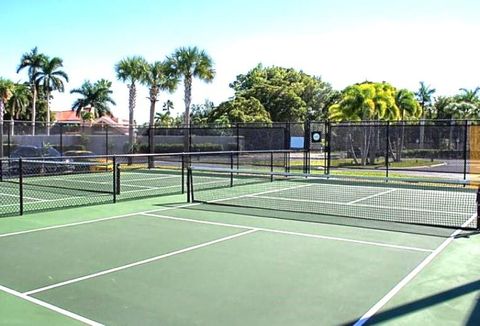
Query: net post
x: 118, y: 178
x: 189, y: 186
x: 114, y: 168
x: 465, y: 149
x: 271, y: 166
x: 287, y: 169
x: 306, y: 145
x: 231, y: 169
x: 20, y: 183
x: 183, y: 173
x: 1, y: 169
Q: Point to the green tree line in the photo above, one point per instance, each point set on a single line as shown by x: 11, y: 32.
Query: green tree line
x: 263, y: 94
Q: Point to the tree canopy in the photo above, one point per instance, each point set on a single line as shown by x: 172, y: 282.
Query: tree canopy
x: 94, y: 97
x: 285, y: 93
x: 240, y: 109
x: 375, y: 101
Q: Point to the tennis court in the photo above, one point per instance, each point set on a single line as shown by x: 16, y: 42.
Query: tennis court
x: 251, y: 248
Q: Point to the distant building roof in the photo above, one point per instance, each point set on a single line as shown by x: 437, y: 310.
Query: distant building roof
x: 66, y: 116
x: 69, y: 116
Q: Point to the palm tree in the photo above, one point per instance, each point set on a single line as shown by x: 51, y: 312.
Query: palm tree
x: 424, y: 97
x: 168, y: 106
x: 189, y: 63
x: 33, y: 61
x: 87, y: 116
x: 131, y: 70
x: 163, y: 119
x: 469, y: 95
x: 365, y: 102
x: 17, y: 103
x: 6, y: 87
x: 157, y: 79
x: 409, y: 109
x: 95, y: 97
x: 51, y: 78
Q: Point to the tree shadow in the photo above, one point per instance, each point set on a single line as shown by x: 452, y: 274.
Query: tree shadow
x: 427, y: 302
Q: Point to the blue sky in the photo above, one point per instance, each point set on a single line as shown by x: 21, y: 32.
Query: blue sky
x: 402, y: 42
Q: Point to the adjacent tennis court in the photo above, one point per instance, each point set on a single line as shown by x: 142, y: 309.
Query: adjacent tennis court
x: 250, y: 248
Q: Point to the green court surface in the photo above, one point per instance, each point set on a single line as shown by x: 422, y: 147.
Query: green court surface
x: 161, y: 261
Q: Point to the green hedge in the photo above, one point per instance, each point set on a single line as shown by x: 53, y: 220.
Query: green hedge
x: 70, y: 148
x: 231, y: 147
x: 207, y: 147
x: 178, y: 148
x: 433, y: 154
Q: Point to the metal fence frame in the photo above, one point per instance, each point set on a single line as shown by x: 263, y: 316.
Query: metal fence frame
x: 238, y: 137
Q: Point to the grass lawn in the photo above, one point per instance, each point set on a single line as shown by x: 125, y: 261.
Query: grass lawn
x: 380, y: 163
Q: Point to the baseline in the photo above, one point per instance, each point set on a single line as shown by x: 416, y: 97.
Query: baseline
x: 50, y: 306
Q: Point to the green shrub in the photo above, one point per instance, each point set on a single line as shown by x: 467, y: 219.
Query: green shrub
x: 206, y: 147
x: 230, y: 147
x: 432, y: 154
x: 178, y: 148
x: 70, y: 148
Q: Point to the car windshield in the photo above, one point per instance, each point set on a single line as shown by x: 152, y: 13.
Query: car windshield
x: 50, y: 151
x: 27, y: 152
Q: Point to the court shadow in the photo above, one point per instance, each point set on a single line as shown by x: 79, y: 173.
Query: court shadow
x: 324, y: 219
x: 430, y: 301
x: 467, y: 235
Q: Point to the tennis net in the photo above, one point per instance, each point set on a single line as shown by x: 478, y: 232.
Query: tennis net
x: 58, y: 176
x: 444, y: 203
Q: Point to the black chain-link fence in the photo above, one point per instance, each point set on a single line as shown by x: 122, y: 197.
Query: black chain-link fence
x: 30, y: 184
x: 418, y: 147
x: 421, y: 148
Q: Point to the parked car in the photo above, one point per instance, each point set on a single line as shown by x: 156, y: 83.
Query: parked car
x: 39, y: 160
x: 94, y: 164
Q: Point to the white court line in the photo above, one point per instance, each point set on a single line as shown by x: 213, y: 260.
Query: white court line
x: 379, y: 305
x: 78, y: 178
x: 259, y: 193
x: 94, y: 221
x: 141, y: 262
x: 353, y: 205
x: 301, y: 234
x: 160, y: 188
x: 49, y: 306
x: 123, y: 185
x: 155, y: 178
x: 11, y: 195
x: 39, y: 201
x: 372, y: 196
x: 68, y: 180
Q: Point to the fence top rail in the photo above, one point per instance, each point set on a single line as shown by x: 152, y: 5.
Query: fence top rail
x: 235, y: 125
x: 213, y: 153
